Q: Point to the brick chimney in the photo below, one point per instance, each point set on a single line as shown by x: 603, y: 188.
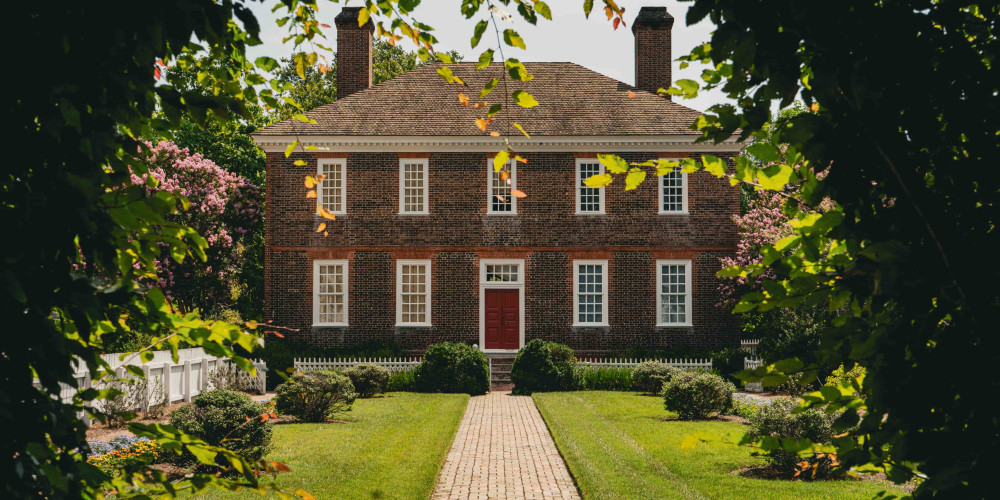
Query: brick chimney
x: 651, y: 29
x: 354, y: 52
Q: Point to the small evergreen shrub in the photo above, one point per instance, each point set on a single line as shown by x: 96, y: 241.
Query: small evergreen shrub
x: 453, y: 367
x: 728, y: 362
x: 315, y: 396
x: 368, y: 379
x: 590, y: 378
x: 777, y: 420
x: 543, y: 366
x: 697, y: 394
x: 401, y: 382
x: 220, y: 418
x: 650, y: 376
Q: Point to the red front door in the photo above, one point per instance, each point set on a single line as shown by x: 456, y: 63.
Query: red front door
x: 503, y: 319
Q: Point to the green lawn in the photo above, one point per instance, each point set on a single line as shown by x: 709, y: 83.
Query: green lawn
x: 391, y: 447
x: 617, y: 446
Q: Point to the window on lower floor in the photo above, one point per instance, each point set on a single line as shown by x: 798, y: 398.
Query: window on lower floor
x: 673, y: 284
x: 590, y: 295
x: 413, y: 292
x: 588, y: 200
x: 330, y: 292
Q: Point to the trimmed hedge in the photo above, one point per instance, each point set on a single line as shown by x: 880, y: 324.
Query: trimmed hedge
x: 650, y: 376
x: 543, y: 366
x: 697, y: 394
x: 589, y: 378
x: 315, y: 396
x: 777, y: 420
x: 453, y: 367
x: 214, y: 415
x: 368, y: 379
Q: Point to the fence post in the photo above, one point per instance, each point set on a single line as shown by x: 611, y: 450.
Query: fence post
x: 186, y: 381
x: 147, y: 389
x: 167, y: 396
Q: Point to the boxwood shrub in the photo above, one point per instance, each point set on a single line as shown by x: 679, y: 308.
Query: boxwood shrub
x: 697, y: 394
x: 777, y: 420
x: 315, y: 396
x: 368, y: 379
x: 543, y: 366
x: 453, y: 367
x: 650, y: 376
x: 214, y: 415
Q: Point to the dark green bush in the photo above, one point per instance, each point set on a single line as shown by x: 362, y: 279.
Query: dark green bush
x: 728, y: 362
x: 650, y: 376
x: 315, y: 396
x: 543, y: 366
x: 697, y: 394
x: 368, y: 379
x: 401, y: 382
x: 777, y: 420
x: 590, y: 378
x: 453, y: 367
x: 214, y: 415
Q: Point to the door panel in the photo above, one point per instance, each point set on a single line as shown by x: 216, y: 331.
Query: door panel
x: 502, y: 319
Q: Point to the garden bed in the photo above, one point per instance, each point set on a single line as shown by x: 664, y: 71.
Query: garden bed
x: 624, y: 445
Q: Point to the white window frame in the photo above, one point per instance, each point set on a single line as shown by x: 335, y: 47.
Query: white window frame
x: 579, y: 186
x: 399, y: 291
x: 402, y: 189
x: 516, y: 285
x: 684, y: 194
x: 688, y: 312
x: 512, y: 166
x: 321, y: 187
x: 576, y: 292
x: 347, y: 291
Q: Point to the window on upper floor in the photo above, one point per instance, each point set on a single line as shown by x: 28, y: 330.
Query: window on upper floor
x: 500, y: 187
x: 413, y: 293
x: 413, y: 188
x: 331, y: 193
x: 588, y: 200
x: 673, y: 193
x: 590, y: 293
x: 673, y: 288
x: 330, y: 292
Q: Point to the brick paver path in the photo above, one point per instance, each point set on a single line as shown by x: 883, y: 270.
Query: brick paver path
x: 503, y: 450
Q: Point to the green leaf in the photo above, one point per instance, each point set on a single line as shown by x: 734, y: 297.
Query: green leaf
x: 266, y: 63
x: 485, y: 59
x: 510, y: 37
x: 477, y: 33
x: 446, y: 74
x: 291, y: 148
x: 613, y: 163
x: 634, y: 178
x: 519, y: 127
x: 494, y: 109
x: 543, y: 9
x: 516, y: 70
x: 764, y: 151
x: 599, y: 180
x: 490, y: 85
x: 364, y: 14
x: 203, y: 454
x: 500, y: 160
x: 588, y: 5
x: 524, y: 99
x: 775, y: 177
x: 713, y: 165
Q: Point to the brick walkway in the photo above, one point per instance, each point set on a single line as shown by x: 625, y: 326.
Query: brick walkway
x: 503, y: 450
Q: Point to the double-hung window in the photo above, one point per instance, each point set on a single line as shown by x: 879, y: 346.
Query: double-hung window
x: 330, y: 293
x: 590, y: 293
x: 500, y: 186
x: 413, y: 189
x: 588, y: 200
x: 331, y: 193
x: 673, y: 193
x: 413, y: 293
x: 673, y: 292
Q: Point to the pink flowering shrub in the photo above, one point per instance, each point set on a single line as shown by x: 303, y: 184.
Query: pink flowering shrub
x: 225, y: 209
x: 761, y: 225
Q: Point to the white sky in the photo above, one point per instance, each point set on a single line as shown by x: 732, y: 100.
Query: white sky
x: 568, y: 37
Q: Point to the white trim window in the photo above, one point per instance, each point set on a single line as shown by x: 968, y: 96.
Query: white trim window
x: 673, y: 293
x: 331, y: 194
x: 588, y: 200
x: 413, y: 293
x: 590, y: 293
x: 499, y: 189
x: 330, y: 293
x: 413, y: 188
x: 674, y: 192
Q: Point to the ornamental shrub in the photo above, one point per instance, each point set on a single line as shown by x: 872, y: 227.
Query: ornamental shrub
x: 368, y: 379
x: 401, y: 381
x: 220, y: 417
x: 650, y: 376
x: 609, y: 378
x: 315, y: 396
x: 453, y: 367
x: 697, y: 394
x: 543, y: 366
x: 777, y: 420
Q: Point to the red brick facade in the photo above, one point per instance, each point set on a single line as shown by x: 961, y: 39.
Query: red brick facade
x: 546, y: 233
x: 354, y: 52
x: 652, y: 49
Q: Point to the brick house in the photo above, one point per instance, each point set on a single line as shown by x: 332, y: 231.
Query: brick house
x: 428, y: 244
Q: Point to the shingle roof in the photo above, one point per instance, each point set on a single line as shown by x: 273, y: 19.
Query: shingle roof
x: 574, y: 101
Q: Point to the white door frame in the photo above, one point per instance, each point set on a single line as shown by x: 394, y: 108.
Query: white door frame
x: 500, y: 285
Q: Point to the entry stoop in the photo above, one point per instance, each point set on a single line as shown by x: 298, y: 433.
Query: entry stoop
x: 500, y: 365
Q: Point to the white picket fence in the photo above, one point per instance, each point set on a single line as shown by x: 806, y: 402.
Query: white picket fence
x: 750, y: 364
x: 169, y: 382
x: 750, y: 346
x: 683, y: 364
x: 400, y: 364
